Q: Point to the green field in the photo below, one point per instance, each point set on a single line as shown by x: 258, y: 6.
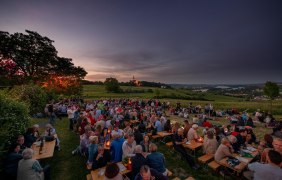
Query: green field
x: 218, y: 101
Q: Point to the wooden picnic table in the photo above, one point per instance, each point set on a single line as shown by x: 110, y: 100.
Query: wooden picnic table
x: 47, y: 150
x: 193, y: 145
x: 244, y: 161
x: 99, y: 174
x: 164, y: 134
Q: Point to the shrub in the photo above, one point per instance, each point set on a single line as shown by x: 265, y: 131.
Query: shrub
x: 34, y: 96
x: 13, y: 121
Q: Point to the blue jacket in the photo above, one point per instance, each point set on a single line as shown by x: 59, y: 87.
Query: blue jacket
x: 116, y: 149
x: 156, y: 161
x: 92, y: 150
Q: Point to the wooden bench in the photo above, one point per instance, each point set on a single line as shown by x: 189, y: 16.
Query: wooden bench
x: 214, y: 165
x: 88, y: 177
x: 205, y: 158
x: 169, y: 144
x: 156, y: 137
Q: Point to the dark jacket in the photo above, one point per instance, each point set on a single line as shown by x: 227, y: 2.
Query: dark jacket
x: 102, y: 161
x: 11, y: 164
x: 137, y: 161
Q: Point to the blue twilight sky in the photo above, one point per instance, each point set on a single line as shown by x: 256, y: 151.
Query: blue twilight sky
x: 171, y: 41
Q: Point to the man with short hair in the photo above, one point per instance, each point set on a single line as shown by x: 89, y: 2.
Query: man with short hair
x: 192, y: 133
x: 138, y: 160
x: 147, y: 173
x: 156, y: 160
x: 266, y: 171
x: 128, y: 146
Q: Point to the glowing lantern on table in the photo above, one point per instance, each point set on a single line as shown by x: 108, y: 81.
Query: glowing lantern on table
x: 108, y: 143
x: 129, y: 164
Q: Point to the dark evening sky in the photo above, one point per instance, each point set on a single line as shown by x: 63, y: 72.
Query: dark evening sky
x: 171, y: 41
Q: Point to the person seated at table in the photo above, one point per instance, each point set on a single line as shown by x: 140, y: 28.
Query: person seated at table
x: 224, y: 150
x: 20, y: 141
x: 147, y: 173
x: 206, y: 124
x: 233, y: 141
x: 82, y: 149
x: 112, y: 172
x: 138, y: 160
x: 116, y: 147
x: 178, y: 140
x: 249, y: 140
x: 29, y: 137
x: 101, y: 157
x: 36, y: 130
x: 127, y: 130
x: 187, y: 127
x: 167, y: 126
x: 138, y: 136
x: 11, y: 162
x: 142, y: 127
x: 195, y: 119
x: 145, y: 144
x: 277, y: 146
x: 118, y: 131
x: 30, y: 169
x: 105, y: 136
x: 268, y: 139
x: 192, y: 133
x: 128, y: 146
x: 254, y: 138
x: 92, y: 149
x: 210, y: 143
x: 271, y: 170
x: 50, y: 132
x: 241, y: 138
x: 157, y: 125
x: 156, y: 160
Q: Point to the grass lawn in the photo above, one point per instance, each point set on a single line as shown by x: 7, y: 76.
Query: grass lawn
x: 67, y: 167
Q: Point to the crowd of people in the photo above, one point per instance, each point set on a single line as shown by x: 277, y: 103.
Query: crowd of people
x: 19, y: 163
x: 108, y: 135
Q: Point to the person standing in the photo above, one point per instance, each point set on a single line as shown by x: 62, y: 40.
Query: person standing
x: 70, y: 113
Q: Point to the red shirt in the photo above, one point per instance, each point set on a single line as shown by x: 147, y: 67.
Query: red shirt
x: 207, y: 124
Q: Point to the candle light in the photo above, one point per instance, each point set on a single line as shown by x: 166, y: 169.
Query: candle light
x: 129, y: 164
x: 108, y: 143
x: 109, y: 131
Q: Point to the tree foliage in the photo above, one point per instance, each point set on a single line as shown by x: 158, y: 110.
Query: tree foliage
x: 13, y: 121
x: 112, y: 85
x: 32, y: 58
x: 33, y: 96
x: 271, y: 90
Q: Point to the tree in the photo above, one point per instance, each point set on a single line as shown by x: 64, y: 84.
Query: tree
x: 112, y: 85
x: 271, y: 90
x: 13, y: 121
x: 30, y: 57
